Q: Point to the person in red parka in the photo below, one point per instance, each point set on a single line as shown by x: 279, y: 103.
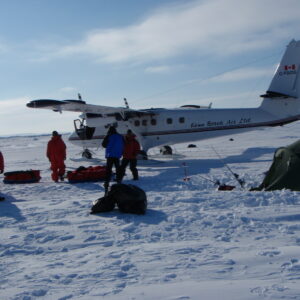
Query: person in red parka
x: 56, y: 153
x: 130, y: 152
x: 1, y: 163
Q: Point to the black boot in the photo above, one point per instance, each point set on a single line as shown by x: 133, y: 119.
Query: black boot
x: 106, y: 186
x: 135, y: 174
x: 120, y: 174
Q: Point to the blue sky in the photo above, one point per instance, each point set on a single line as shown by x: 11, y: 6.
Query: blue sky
x: 155, y: 53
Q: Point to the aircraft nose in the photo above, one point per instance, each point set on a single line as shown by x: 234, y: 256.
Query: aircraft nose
x: 30, y: 104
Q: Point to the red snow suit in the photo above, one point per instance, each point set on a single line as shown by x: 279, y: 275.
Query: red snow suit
x: 56, y: 153
x: 1, y: 163
x: 131, y: 148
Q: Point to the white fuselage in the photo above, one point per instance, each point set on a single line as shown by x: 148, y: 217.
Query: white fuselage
x: 160, y: 127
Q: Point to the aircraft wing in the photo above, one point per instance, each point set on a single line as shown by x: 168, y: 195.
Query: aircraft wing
x: 75, y: 106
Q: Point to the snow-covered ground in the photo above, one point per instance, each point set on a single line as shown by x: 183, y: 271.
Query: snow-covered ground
x: 193, y: 243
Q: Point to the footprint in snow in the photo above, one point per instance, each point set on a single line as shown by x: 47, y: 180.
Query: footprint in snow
x: 127, y: 267
x: 67, y: 237
x: 91, y: 238
x: 108, y: 244
x: 39, y: 293
x: 170, y: 276
x: 271, y: 253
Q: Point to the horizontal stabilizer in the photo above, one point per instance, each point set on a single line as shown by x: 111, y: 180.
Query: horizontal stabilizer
x: 270, y: 94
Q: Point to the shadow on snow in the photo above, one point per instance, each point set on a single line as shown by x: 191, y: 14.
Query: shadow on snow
x: 10, y: 210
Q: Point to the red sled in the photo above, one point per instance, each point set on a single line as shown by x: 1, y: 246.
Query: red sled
x: 90, y: 174
x: 29, y: 176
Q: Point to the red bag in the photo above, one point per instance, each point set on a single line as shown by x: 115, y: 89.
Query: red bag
x: 225, y: 187
x: 90, y: 174
x: 29, y: 176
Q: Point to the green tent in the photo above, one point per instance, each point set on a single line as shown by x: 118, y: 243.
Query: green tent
x: 284, y: 172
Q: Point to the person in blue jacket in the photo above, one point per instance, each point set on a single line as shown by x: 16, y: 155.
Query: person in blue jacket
x: 113, y: 144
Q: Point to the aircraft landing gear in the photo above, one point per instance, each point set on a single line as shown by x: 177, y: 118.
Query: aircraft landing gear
x: 166, y: 150
x: 142, y: 155
x: 87, y: 154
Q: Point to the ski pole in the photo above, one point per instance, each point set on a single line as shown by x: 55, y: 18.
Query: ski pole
x: 186, y: 178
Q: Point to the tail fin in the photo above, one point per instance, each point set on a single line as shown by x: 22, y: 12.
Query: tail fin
x: 286, y: 79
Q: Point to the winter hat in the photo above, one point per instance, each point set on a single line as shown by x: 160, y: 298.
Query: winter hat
x: 112, y: 130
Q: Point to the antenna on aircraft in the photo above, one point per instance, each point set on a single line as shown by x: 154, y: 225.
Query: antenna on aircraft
x: 79, y: 97
x: 126, y: 103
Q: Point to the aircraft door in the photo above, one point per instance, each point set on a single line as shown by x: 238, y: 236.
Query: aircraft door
x: 84, y: 132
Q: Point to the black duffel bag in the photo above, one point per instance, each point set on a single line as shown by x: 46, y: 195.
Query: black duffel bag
x: 129, y: 199
x: 104, y: 204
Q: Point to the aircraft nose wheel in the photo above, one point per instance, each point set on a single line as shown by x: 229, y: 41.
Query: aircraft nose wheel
x: 166, y: 150
x: 86, y: 154
x: 142, y: 155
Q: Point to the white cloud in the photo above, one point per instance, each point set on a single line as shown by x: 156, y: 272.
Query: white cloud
x: 158, y: 69
x: 68, y: 90
x: 218, y: 27
x: 22, y: 119
x: 4, y: 48
x: 12, y: 105
x: 237, y: 100
x: 241, y: 74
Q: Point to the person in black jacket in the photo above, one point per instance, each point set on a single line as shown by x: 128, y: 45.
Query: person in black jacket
x: 1, y: 170
x: 1, y: 163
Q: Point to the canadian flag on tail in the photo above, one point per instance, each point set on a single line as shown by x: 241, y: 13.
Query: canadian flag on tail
x: 290, y: 67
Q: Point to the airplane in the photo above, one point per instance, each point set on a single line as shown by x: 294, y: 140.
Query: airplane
x: 161, y: 127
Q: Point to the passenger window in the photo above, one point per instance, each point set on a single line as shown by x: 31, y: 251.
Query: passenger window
x: 118, y: 117
x: 153, y: 121
x: 137, y: 123
x: 181, y: 120
x: 169, y: 120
